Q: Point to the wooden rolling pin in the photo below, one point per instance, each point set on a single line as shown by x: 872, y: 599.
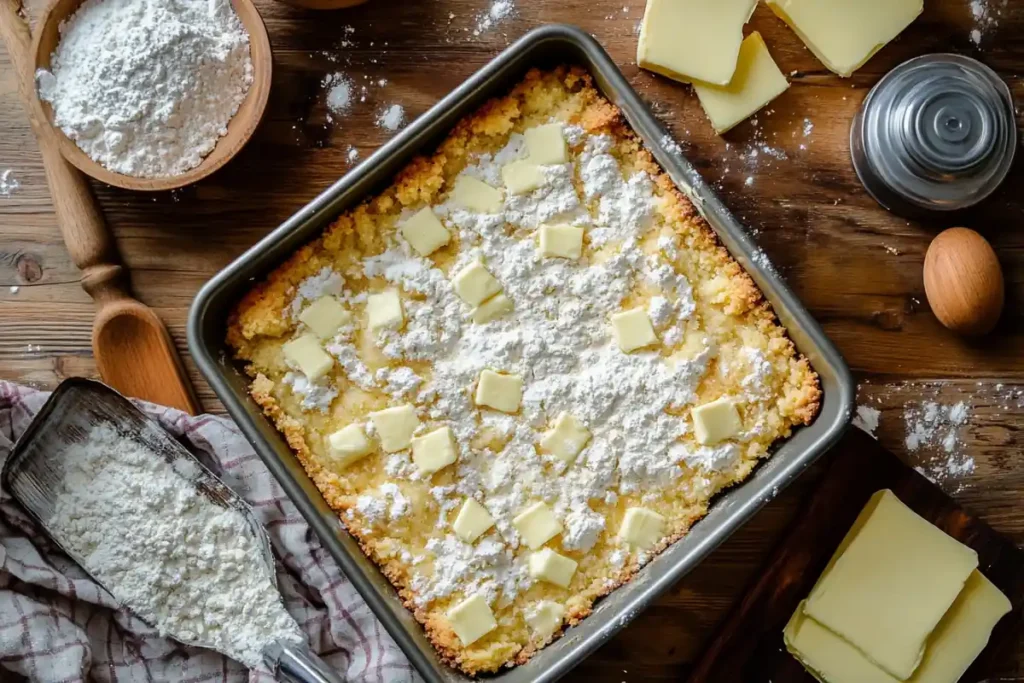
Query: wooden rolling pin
x: 133, y: 350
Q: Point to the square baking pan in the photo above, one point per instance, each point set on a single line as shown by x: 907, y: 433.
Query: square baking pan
x: 547, y: 46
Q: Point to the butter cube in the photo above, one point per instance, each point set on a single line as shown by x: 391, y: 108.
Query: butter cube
x: 566, y: 439
x: 472, y: 521
x: 522, y: 176
x: 844, y: 35
x: 545, y: 144
x: 308, y: 356
x: 633, y: 330
x: 642, y: 528
x: 472, y: 619
x: 537, y: 525
x: 348, y: 445
x: 395, y: 427
x: 547, y: 565
x: 384, y: 310
x: 544, y: 618
x: 690, y: 40
x: 757, y: 82
x: 324, y: 316
x: 474, y: 284
x: 424, y: 232
x: 476, y: 195
x: 498, y: 391
x: 561, y: 241
x: 495, y: 307
x: 716, y: 421
x: 434, y: 450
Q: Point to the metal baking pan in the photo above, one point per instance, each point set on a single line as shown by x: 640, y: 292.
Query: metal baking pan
x: 546, y: 46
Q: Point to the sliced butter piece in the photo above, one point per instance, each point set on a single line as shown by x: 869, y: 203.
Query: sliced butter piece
x: 757, y: 82
x: 498, y: 391
x: 642, y: 528
x: 384, y: 310
x: 545, y: 144
x: 827, y: 656
x: 633, y: 330
x: 892, y: 563
x: 693, y: 39
x: 307, y: 355
x: 537, y: 525
x: 348, y: 445
x: 395, y: 427
x: 547, y: 565
x: 716, y: 421
x: 424, y: 232
x: 472, y: 522
x: 544, y: 618
x: 566, y: 439
x: 522, y: 176
x: 476, y: 195
x: 495, y: 307
x: 474, y: 284
x: 434, y: 450
x: 561, y: 241
x: 844, y: 35
x: 324, y: 316
x: 472, y: 619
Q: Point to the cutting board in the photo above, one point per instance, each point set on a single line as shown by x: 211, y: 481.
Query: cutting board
x: 749, y: 648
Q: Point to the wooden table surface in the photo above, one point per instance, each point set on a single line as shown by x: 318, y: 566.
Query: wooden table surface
x: 857, y: 267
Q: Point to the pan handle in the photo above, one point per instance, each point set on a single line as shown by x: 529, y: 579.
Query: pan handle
x: 292, y: 663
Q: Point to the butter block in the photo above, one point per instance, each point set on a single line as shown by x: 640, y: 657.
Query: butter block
x: 688, y: 40
x: 566, y: 439
x: 472, y: 522
x: 892, y: 579
x: 826, y: 656
x: 424, y: 232
x: 476, y: 195
x: 474, y: 284
x: 395, y: 427
x: 324, y: 316
x: 348, y: 445
x: 522, y: 176
x: 492, y: 309
x: 845, y: 35
x: 642, y: 528
x: 384, y: 310
x: 472, y: 619
x: 537, y: 525
x: 434, y: 450
x: 716, y: 421
x: 498, y: 391
x: 547, y: 565
x: 544, y: 618
x: 308, y: 356
x: 545, y: 144
x: 633, y: 330
x: 561, y: 241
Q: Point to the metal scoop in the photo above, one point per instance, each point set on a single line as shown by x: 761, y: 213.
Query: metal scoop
x: 33, y: 475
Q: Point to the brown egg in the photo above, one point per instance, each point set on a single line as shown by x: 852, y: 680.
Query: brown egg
x: 963, y: 281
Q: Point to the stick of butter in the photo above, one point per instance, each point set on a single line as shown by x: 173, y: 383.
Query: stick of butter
x: 842, y: 34
x: 757, y: 82
x: 693, y: 39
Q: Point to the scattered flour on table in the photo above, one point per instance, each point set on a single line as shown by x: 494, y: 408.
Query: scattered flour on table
x: 147, y: 87
x: 498, y: 11
x: 391, y: 117
x: 8, y: 183
x: 185, y: 565
x: 866, y: 419
x: 986, y: 15
x: 338, y: 96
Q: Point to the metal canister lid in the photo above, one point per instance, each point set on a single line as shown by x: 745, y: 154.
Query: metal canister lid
x: 936, y: 133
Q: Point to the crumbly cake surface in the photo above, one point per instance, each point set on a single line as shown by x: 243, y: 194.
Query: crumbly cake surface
x: 645, y: 247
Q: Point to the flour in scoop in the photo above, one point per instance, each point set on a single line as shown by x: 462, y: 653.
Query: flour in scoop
x: 147, y: 87
x: 185, y: 565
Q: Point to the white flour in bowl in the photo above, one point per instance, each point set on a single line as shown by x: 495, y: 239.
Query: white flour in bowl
x: 185, y: 565
x: 147, y: 87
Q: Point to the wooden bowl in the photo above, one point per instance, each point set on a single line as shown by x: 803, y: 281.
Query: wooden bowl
x: 240, y: 128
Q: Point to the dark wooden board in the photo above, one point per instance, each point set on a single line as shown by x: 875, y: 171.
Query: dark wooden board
x: 748, y: 648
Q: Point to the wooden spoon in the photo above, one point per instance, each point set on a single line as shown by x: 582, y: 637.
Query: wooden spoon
x: 134, y: 352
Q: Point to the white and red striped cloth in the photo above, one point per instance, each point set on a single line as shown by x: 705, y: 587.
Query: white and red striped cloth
x: 56, y: 625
